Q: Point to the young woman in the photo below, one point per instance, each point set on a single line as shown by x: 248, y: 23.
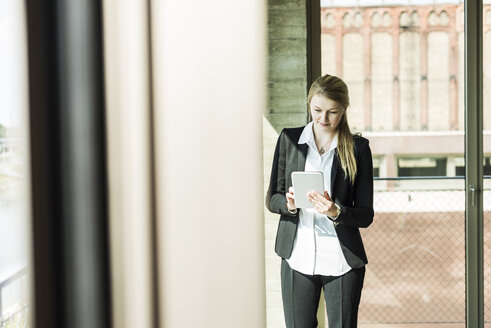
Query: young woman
x: 321, y: 247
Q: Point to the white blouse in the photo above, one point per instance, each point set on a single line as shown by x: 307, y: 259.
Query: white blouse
x: 316, y: 249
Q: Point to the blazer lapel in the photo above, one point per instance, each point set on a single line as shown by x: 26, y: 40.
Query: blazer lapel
x: 334, y: 170
x: 301, y: 156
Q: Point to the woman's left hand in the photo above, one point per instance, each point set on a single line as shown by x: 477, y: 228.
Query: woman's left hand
x: 322, y: 204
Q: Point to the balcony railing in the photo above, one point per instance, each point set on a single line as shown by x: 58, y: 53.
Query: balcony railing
x: 14, y: 290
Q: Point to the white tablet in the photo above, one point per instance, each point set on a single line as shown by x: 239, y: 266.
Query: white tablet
x: 305, y: 182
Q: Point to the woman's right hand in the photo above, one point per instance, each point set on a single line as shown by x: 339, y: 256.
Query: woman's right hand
x: 290, y: 199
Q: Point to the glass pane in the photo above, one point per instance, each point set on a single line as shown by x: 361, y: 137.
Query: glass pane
x: 403, y: 65
x: 487, y: 158
x: 14, y: 177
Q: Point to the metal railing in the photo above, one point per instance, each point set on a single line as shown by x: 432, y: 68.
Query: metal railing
x: 18, y: 317
x: 438, y: 177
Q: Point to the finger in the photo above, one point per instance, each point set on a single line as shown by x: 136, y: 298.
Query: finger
x: 324, y: 200
x: 318, y: 197
x: 314, y: 195
x: 311, y: 197
x: 324, y: 203
x: 327, y: 195
x: 320, y: 209
x: 317, y: 204
x: 290, y: 190
x: 290, y: 196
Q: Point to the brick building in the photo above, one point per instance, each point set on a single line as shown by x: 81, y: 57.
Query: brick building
x: 404, y: 64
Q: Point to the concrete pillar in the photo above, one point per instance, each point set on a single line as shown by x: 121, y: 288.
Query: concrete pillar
x: 424, y: 68
x: 367, y: 67
x: 286, y: 107
x: 396, y: 112
x: 391, y: 169
x: 451, y: 164
x: 453, y: 69
x: 339, y: 42
x: 287, y: 63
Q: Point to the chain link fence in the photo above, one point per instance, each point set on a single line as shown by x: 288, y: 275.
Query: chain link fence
x: 416, y: 253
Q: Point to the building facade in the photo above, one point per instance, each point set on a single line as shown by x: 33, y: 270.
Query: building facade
x: 404, y: 66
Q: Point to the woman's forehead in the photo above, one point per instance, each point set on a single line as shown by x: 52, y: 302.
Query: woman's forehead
x: 324, y: 102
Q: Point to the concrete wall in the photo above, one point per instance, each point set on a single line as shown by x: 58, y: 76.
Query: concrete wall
x: 287, y: 63
x: 286, y: 107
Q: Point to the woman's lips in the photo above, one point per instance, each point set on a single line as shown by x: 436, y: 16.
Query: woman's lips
x: 322, y: 124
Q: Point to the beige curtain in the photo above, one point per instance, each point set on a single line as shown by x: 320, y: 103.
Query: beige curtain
x: 208, y: 76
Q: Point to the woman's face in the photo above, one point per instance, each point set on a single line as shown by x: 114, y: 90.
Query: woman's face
x: 326, y: 113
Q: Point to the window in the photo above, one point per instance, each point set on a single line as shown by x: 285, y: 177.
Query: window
x: 14, y: 182
x: 376, y: 166
x: 422, y: 166
x: 460, y: 168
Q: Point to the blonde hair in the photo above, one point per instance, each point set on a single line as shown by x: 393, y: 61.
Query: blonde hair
x: 335, y: 89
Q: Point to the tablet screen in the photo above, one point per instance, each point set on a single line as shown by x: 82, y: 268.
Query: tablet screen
x: 305, y: 182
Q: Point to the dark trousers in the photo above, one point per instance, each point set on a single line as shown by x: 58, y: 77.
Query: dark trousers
x: 301, y: 294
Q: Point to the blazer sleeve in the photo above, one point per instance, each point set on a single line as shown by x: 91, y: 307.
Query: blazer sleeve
x: 360, y: 215
x: 275, y: 196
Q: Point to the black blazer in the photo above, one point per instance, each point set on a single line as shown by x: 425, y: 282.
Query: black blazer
x: 355, y: 200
